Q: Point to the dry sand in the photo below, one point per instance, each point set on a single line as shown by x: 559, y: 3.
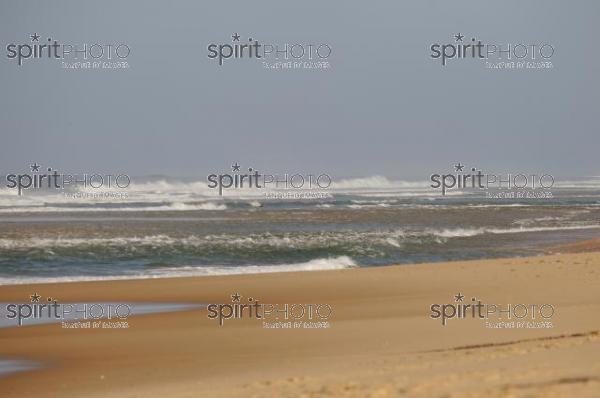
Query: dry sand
x: 381, y: 343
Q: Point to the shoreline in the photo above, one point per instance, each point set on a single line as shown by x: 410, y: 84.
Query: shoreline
x: 578, y: 246
x: 382, y: 339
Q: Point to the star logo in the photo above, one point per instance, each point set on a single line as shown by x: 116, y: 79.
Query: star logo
x: 459, y: 167
x: 235, y: 298
x: 459, y: 37
x: 459, y: 297
x: 235, y: 37
x: 235, y: 167
x: 35, y: 298
x: 35, y: 167
x: 35, y: 37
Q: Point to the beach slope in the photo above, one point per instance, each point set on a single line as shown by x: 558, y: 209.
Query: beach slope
x: 381, y: 342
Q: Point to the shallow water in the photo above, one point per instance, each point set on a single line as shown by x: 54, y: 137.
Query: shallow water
x: 45, y: 317
x: 8, y: 366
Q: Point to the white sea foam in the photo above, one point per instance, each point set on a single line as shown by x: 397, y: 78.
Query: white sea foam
x: 363, y: 206
x: 467, y: 232
x: 393, y: 237
x: 589, y: 183
x: 255, y: 203
x: 175, y: 206
x: 378, y: 182
x: 61, y: 242
x: 171, y: 195
x: 320, y: 264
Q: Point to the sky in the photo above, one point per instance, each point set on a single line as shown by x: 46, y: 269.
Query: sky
x: 383, y: 107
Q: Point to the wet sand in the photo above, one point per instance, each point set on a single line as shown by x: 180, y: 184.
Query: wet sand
x: 381, y: 343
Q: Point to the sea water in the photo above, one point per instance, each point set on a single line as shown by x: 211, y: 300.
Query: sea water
x: 167, y: 227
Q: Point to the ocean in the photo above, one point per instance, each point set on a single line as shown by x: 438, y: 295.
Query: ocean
x: 167, y: 227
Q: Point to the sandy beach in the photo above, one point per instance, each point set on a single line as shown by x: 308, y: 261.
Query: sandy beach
x: 386, y: 199
x: 381, y: 341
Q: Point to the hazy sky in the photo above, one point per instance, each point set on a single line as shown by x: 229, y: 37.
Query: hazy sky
x: 384, y: 107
